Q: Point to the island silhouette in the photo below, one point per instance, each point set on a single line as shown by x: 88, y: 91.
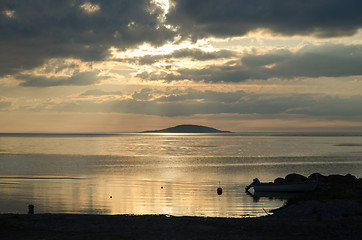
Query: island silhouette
x: 187, y: 128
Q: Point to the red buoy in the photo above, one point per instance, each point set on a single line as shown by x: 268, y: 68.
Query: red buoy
x: 219, y: 191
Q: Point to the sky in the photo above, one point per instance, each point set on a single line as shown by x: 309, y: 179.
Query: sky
x: 135, y: 65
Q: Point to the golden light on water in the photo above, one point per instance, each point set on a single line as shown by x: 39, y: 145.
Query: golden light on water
x: 175, y: 174
x: 104, y: 195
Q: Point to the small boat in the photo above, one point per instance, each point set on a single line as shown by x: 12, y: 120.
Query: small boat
x: 273, y: 195
x: 304, y: 186
x: 277, y: 195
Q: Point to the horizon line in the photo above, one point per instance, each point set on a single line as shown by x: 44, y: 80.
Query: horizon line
x: 274, y: 133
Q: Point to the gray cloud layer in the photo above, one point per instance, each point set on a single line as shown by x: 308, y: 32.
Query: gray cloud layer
x: 77, y: 79
x: 193, y: 102
x: 35, y: 31
x: 98, y: 92
x: 311, y: 61
x: 193, y: 54
x: 227, y: 18
x: 4, y: 104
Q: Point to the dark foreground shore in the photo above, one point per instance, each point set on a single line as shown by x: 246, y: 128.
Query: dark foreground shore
x: 64, y: 226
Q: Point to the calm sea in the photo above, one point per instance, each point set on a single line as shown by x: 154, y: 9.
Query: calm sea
x: 175, y: 174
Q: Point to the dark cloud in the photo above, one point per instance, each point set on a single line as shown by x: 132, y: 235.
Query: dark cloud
x: 330, y: 60
x: 39, y: 30
x: 228, y: 18
x: 143, y: 94
x: 192, y: 54
x: 204, y: 96
x: 77, y: 79
x: 273, y: 57
x: 99, y: 92
x: 199, y: 55
x: 192, y: 102
x: 333, y: 106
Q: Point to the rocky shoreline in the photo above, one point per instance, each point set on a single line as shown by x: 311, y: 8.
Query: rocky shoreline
x: 337, y: 197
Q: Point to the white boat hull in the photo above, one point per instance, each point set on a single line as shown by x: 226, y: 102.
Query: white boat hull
x: 285, y: 187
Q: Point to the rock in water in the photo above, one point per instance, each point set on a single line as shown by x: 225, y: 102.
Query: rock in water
x: 294, y: 177
x: 317, y: 177
x: 279, y: 180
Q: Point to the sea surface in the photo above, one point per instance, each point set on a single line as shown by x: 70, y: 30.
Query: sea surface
x: 172, y: 174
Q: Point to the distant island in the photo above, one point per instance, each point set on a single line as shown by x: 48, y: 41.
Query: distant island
x: 188, y: 128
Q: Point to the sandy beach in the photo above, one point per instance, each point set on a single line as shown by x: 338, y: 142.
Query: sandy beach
x: 65, y: 226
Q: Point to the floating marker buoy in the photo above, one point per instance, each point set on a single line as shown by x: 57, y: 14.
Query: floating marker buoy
x: 219, y: 191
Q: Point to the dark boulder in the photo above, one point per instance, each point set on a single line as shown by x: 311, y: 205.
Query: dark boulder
x: 294, y: 177
x: 279, y: 180
x: 335, y: 179
x: 350, y: 178
x: 318, y: 177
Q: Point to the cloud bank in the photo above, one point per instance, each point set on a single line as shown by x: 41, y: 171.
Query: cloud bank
x: 191, y: 102
x: 77, y: 79
x: 33, y: 32
x: 40, y: 30
x: 230, y: 18
x: 329, y: 60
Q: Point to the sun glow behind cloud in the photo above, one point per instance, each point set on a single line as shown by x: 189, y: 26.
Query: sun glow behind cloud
x: 90, y: 8
x: 166, y: 65
x: 164, y: 4
x: 9, y: 13
x: 147, y: 49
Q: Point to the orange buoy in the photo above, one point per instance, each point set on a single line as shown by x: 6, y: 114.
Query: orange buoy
x: 219, y: 191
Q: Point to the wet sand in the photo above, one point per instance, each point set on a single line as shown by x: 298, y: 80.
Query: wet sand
x: 66, y: 226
